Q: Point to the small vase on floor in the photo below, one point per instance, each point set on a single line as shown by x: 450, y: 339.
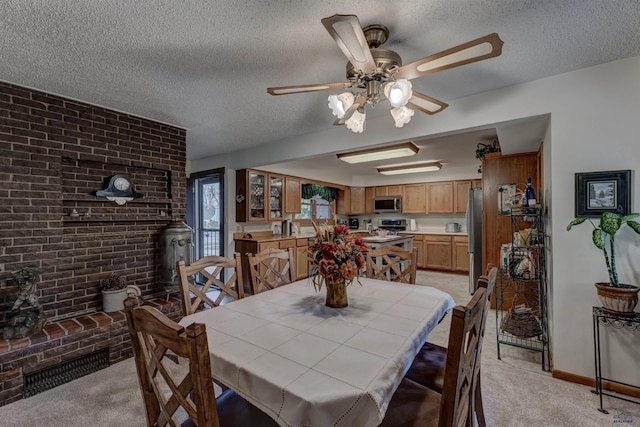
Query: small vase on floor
x: 336, y: 295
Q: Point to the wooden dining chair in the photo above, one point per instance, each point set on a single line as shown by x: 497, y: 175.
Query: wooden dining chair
x: 414, y: 405
x: 429, y: 365
x: 271, y: 268
x: 210, y: 268
x: 165, y: 388
x: 392, y: 263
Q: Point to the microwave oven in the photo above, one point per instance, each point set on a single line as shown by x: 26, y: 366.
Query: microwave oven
x: 391, y: 204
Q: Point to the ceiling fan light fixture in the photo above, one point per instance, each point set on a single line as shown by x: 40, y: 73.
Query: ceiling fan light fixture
x: 414, y: 168
x: 399, y: 92
x: 355, y: 123
x: 403, y: 149
x: 401, y: 115
x: 339, y: 104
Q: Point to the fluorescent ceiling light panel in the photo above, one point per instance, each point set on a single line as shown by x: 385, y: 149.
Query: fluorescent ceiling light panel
x: 414, y: 168
x: 380, y: 153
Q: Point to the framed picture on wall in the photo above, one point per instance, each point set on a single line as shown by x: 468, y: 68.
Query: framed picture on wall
x: 598, y: 192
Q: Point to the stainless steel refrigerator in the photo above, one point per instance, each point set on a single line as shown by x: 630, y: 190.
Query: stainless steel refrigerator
x: 474, y: 230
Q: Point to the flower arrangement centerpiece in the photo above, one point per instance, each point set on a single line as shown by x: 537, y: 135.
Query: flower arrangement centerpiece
x: 337, y: 260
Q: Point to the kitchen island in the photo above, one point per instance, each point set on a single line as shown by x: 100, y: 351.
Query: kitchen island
x: 404, y: 241
x: 375, y: 242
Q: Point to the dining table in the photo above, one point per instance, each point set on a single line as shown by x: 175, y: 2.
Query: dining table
x: 306, y: 364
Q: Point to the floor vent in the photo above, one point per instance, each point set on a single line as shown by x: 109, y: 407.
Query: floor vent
x: 53, y: 376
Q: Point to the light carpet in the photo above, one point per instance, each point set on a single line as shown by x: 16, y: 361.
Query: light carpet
x: 516, y: 391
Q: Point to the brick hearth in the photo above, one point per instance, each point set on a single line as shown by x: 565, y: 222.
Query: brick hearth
x: 67, y: 339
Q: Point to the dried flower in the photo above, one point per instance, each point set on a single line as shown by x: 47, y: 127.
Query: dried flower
x: 336, y: 256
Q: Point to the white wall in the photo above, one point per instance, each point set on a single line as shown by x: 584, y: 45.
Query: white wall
x: 594, y: 127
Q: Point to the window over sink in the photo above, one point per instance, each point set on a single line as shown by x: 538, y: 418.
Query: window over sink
x: 317, y: 209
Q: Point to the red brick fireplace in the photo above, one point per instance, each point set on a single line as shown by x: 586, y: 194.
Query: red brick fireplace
x: 54, y: 154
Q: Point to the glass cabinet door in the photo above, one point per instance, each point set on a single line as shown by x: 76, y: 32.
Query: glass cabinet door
x: 276, y: 197
x: 257, y: 192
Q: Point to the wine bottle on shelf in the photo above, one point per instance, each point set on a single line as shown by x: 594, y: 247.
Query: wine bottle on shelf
x: 530, y: 194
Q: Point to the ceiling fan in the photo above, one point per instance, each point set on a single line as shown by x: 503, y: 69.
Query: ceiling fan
x: 376, y: 73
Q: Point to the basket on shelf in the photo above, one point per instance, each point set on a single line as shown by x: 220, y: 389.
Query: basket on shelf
x: 521, y: 322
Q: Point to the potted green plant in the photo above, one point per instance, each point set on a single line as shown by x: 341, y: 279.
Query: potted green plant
x: 615, y: 296
x: 114, y: 291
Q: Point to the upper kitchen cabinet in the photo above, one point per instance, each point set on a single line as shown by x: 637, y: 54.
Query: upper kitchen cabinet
x: 369, y: 194
x: 460, y: 196
x: 276, y: 197
x: 415, y: 199
x: 293, y: 195
x: 357, y: 201
x: 440, y: 197
x: 388, y: 190
x: 259, y: 196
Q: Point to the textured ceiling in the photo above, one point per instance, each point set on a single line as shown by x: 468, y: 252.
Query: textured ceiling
x: 206, y: 65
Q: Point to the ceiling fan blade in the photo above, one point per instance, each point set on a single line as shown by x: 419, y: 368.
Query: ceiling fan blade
x: 348, y: 34
x: 286, y: 90
x: 485, y: 47
x: 426, y: 104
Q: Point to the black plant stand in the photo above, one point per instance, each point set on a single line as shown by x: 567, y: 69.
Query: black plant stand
x: 607, y: 319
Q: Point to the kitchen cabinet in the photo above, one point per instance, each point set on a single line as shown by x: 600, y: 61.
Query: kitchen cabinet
x: 276, y: 197
x: 440, y: 197
x: 476, y: 183
x: 302, y: 261
x: 369, y: 194
x: 343, y: 203
x: 442, y: 252
x: 460, y: 253
x: 388, y: 190
x: 259, y: 196
x: 437, y: 252
x: 245, y: 245
x: 293, y: 195
x: 357, y: 202
x: 418, y: 243
x: 415, y: 199
x: 460, y: 196
x: 251, y: 187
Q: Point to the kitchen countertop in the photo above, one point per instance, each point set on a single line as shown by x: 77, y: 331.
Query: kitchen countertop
x: 443, y: 233
x: 275, y: 237
x: 433, y: 232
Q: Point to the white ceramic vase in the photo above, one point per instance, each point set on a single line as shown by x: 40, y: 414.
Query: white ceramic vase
x: 114, y: 300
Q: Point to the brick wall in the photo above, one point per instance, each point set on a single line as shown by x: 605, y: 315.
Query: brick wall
x: 54, y: 154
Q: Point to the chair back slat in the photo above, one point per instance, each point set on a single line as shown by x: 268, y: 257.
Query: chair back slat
x: 211, y: 268
x: 164, y: 391
x: 271, y: 268
x: 462, y: 355
x: 392, y: 263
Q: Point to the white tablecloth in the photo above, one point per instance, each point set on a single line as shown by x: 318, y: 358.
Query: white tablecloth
x: 306, y: 364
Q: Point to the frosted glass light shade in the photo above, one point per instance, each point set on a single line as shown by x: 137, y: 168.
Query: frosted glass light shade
x: 339, y: 104
x: 399, y: 92
x: 356, y: 122
x: 401, y: 115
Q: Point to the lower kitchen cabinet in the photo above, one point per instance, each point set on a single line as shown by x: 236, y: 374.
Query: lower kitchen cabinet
x: 437, y: 252
x: 460, y: 248
x: 252, y: 246
x: 302, y: 261
x: 418, y: 243
x: 442, y: 252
